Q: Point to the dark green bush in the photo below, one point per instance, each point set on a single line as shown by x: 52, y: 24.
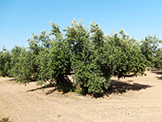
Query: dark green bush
x: 22, y: 70
x: 149, y: 47
x: 5, y: 59
x: 158, y: 59
x: 15, y: 53
x: 125, y: 54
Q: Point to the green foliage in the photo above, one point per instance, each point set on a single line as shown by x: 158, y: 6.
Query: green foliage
x: 15, y: 53
x: 149, y: 48
x: 101, y: 55
x: 87, y: 72
x: 22, y: 70
x: 54, y: 60
x: 5, y: 59
x: 158, y: 59
x: 93, y: 58
x: 125, y: 55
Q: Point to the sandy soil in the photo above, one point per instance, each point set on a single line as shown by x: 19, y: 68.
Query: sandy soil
x: 131, y: 99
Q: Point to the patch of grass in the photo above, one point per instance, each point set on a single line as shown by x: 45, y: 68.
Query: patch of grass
x: 42, y: 90
x: 59, y: 115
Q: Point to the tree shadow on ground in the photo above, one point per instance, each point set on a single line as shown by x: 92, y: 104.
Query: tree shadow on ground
x: 44, y: 87
x: 158, y: 72
x: 5, y: 119
x: 65, y: 87
x: 129, y: 75
x: 160, y: 78
x: 119, y: 87
x: 12, y: 79
x: 116, y: 87
x: 155, y: 70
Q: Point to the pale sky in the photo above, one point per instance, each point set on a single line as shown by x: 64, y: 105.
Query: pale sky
x: 18, y: 18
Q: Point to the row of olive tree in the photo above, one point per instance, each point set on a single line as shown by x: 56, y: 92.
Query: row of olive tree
x: 93, y: 57
x: 150, y: 48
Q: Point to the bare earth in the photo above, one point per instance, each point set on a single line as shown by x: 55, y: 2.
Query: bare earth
x: 133, y: 99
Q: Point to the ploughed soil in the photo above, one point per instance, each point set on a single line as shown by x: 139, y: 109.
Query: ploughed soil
x: 133, y: 99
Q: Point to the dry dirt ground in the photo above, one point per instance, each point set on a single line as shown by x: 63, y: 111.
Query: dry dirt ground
x: 133, y: 99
